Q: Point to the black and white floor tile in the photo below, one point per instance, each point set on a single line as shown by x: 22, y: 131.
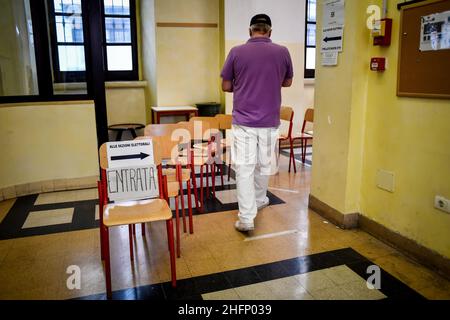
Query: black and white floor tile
x: 342, y: 274
x: 78, y: 210
x: 298, y: 155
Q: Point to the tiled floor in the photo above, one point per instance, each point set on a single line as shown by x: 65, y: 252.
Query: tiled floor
x: 34, y: 267
x: 48, y: 218
x: 331, y: 283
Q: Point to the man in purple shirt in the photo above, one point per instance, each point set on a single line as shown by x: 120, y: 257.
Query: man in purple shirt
x: 255, y: 72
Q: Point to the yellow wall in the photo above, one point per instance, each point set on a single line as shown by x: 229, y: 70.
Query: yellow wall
x: 148, y: 53
x: 181, y: 65
x: 361, y: 126
x: 125, y: 102
x: 47, y: 142
x: 187, y: 58
x: 410, y: 137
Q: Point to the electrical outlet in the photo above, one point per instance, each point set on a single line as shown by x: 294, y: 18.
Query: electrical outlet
x: 442, y: 204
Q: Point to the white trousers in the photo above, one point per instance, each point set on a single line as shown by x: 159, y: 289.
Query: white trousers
x: 252, y: 153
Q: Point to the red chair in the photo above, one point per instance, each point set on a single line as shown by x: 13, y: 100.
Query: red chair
x: 305, y: 136
x: 287, y: 114
x: 133, y: 212
x: 187, y: 173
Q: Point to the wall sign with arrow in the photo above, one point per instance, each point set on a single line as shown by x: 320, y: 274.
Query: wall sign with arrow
x: 332, y: 31
x: 332, y: 39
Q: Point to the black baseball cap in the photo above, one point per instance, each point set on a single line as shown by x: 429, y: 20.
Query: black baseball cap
x: 261, y: 18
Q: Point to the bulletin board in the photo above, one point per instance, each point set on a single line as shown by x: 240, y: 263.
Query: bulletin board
x: 424, y: 55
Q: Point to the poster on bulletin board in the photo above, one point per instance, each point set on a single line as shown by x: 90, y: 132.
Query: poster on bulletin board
x: 435, y: 32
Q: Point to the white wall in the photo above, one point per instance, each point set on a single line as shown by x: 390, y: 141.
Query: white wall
x: 288, y: 23
x: 287, y: 18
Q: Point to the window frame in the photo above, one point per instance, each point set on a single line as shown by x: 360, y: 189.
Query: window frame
x: 65, y: 76
x: 43, y: 55
x: 128, y: 75
x: 309, y: 73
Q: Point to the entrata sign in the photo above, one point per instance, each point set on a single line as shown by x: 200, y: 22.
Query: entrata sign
x: 133, y: 183
x: 132, y: 173
x: 130, y: 153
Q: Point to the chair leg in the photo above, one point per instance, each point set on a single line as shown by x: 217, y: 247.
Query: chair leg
x: 304, y: 151
x: 107, y: 266
x: 100, y: 197
x: 201, y: 188
x: 221, y: 173
x: 290, y: 159
x: 119, y: 135
x: 191, y: 223
x: 213, y: 179
x: 303, y: 148
x: 194, y: 185
x: 207, y: 181
x: 293, y: 156
x: 177, y: 225
x: 130, y: 236
x: 103, y: 231
x: 182, y: 206
x: 143, y: 229
x: 229, y: 172
x: 134, y: 229
x: 169, y: 225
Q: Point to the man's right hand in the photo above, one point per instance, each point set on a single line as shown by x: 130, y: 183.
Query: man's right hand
x: 287, y: 83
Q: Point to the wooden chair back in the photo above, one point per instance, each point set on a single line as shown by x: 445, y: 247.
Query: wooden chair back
x: 309, y: 117
x: 203, y: 128
x: 158, y: 146
x: 225, y: 121
x: 287, y: 114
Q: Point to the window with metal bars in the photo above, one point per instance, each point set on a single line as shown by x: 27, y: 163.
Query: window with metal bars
x: 120, y: 40
x: 67, y: 37
x: 310, y: 39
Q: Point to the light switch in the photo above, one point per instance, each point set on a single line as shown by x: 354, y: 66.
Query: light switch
x: 386, y: 180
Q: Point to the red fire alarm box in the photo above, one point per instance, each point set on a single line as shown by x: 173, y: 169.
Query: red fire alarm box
x: 382, y: 32
x: 378, y: 64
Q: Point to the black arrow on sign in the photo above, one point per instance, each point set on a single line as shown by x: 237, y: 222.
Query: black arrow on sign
x: 332, y: 39
x: 141, y: 156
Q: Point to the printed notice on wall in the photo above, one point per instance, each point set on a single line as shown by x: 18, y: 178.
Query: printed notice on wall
x: 134, y: 183
x: 435, y: 32
x: 330, y: 58
x: 333, y: 26
x: 333, y: 13
x: 332, y: 39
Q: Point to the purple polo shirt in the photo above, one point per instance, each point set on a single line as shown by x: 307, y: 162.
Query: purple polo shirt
x: 258, y: 70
